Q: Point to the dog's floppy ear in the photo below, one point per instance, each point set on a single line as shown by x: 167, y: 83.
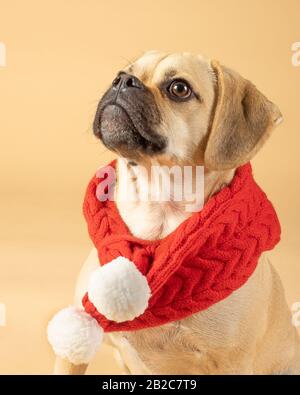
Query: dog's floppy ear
x: 242, y: 121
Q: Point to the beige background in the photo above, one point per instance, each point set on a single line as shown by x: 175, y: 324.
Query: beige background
x: 61, y: 55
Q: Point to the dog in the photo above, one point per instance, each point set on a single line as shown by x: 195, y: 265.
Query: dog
x: 181, y: 109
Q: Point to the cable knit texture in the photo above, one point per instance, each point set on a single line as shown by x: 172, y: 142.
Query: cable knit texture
x: 210, y: 255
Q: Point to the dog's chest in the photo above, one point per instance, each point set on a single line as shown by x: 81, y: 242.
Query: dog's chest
x: 200, y: 344
x: 210, y: 341
x: 173, y: 348
x: 170, y: 348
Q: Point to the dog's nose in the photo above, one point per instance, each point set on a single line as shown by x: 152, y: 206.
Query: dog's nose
x: 125, y: 81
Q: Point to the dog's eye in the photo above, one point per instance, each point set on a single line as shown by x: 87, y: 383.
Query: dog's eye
x: 179, y: 89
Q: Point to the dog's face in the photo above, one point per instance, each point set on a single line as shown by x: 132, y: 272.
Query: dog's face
x: 184, y: 109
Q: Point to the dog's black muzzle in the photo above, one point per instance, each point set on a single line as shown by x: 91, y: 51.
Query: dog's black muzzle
x: 127, y: 117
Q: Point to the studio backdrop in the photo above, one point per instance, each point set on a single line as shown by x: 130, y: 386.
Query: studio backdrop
x: 56, y: 60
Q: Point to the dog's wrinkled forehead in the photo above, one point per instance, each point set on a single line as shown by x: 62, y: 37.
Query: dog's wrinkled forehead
x: 155, y: 66
x: 144, y: 66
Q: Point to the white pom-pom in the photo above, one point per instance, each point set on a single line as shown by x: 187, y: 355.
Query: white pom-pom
x: 74, y: 335
x: 118, y: 290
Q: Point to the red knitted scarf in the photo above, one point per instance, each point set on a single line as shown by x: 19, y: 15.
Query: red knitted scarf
x: 210, y: 255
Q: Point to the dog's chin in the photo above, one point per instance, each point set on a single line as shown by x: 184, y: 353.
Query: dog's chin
x: 118, y: 133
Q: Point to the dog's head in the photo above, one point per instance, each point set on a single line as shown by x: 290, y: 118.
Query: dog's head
x: 184, y: 109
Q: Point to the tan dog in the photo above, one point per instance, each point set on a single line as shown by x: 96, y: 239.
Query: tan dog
x: 182, y: 109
